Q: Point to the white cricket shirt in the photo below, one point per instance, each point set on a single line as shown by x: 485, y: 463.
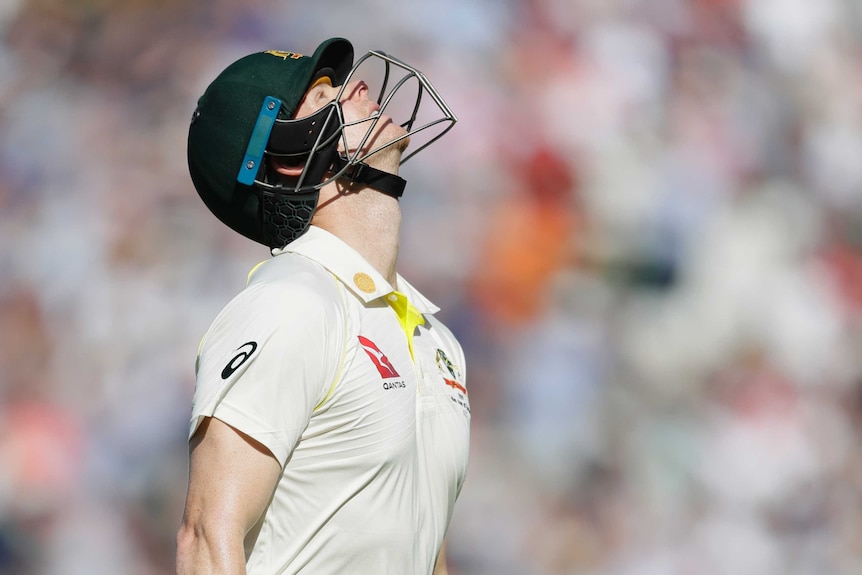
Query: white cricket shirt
x: 314, y: 361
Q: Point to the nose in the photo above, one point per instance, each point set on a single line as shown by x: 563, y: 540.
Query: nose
x: 355, y: 91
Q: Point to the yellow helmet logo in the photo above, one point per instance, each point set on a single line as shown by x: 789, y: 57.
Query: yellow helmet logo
x: 284, y: 55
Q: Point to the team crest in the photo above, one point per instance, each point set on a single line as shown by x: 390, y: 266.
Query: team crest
x: 444, y: 364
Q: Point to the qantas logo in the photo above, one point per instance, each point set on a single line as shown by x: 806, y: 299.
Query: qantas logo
x: 381, y: 362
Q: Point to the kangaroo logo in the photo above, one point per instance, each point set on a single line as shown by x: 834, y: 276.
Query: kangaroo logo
x: 381, y: 362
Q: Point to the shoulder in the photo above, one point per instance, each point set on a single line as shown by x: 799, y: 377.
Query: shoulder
x: 290, y: 314
x: 290, y: 272
x: 288, y: 284
x: 288, y: 292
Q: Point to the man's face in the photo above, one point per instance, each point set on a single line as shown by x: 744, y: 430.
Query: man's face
x: 357, y: 107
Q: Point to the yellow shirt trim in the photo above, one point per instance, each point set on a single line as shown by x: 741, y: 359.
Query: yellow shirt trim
x: 408, y: 316
x: 343, y: 351
x: 254, y: 269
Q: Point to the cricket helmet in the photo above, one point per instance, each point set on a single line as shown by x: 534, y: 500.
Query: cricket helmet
x: 247, y: 115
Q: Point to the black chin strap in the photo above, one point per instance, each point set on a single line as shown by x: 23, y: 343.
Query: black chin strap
x: 362, y: 173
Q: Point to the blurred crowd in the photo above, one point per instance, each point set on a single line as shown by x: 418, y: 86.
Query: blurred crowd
x: 646, y: 230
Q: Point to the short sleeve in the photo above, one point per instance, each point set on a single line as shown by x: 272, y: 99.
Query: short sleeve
x: 269, y: 358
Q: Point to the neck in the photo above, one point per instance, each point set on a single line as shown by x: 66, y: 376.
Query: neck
x: 366, y: 220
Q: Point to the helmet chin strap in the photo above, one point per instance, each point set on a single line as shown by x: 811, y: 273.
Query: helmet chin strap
x: 363, y: 174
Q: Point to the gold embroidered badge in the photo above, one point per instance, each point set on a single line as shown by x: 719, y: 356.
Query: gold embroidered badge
x: 364, y: 282
x: 284, y: 55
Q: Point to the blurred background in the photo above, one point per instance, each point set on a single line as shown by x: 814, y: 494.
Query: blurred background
x: 646, y: 230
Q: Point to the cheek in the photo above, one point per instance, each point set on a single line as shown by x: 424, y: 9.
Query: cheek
x: 351, y: 112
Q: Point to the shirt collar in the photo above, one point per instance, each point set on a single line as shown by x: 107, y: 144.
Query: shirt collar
x: 351, y: 268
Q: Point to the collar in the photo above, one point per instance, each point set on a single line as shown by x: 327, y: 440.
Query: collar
x: 351, y: 268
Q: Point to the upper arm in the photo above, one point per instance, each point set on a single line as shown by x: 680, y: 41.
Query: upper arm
x: 269, y: 358
x: 231, y: 480
x: 440, y: 565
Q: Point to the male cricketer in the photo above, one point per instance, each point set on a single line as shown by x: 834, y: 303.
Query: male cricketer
x: 330, y: 421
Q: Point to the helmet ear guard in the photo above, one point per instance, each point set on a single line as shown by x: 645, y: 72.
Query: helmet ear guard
x: 310, y: 143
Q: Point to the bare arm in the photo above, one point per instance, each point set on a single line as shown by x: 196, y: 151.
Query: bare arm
x: 231, y: 480
x: 440, y: 565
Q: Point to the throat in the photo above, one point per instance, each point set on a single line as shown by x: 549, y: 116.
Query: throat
x: 378, y: 242
x: 369, y: 222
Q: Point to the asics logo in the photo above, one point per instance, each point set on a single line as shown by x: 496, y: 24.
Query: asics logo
x: 245, y: 351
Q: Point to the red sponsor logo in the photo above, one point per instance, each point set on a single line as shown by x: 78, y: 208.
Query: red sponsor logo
x: 381, y: 362
x: 455, y: 385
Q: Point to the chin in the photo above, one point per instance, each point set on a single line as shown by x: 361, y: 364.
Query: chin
x: 402, y: 144
x: 392, y: 132
x: 389, y: 133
